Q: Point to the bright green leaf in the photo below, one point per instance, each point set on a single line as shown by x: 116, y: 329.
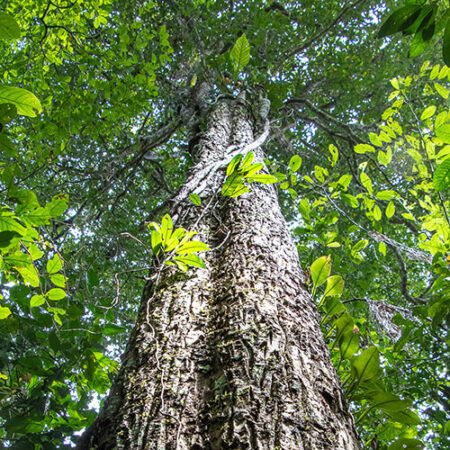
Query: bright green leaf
x: 192, y: 247
x: 29, y: 275
x: 4, y: 312
x: 195, y: 199
x: 320, y: 270
x: 295, y: 163
x: 37, y: 300
x: 54, y: 265
x: 428, y: 112
x: 442, y: 91
x: 27, y: 103
x: 364, y: 148
x: 240, y: 53
x: 366, y: 182
x: 55, y: 294
x: 390, y: 210
x: 59, y: 280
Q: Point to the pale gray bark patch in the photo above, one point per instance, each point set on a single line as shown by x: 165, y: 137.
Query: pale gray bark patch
x: 231, y: 357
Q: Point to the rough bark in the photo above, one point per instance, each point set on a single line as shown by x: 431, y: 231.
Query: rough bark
x: 232, y: 356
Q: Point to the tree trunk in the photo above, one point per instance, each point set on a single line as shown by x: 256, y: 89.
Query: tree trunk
x: 232, y: 356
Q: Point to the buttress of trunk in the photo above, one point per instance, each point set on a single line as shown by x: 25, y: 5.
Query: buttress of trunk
x: 231, y: 357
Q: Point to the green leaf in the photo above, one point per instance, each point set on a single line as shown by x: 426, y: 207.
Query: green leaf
x: 366, y: 182
x: 112, y: 329
x: 390, y: 210
x: 385, y: 158
x: 406, y: 444
x: 166, y: 228
x: 59, y: 280
x: 6, y: 237
x: 248, y: 159
x: 376, y: 212
x: 344, y: 181
x: 9, y: 29
x: 441, y: 177
x: 191, y: 260
x: 398, y: 20
x: 386, y: 195
x: 333, y: 306
x: 232, y: 184
x: 349, y: 343
x: 195, y: 199
x: 192, y: 247
x: 364, y: 148
x: 335, y: 286
x: 4, y: 312
x: 37, y: 300
x: 263, y: 178
x: 295, y: 163
x: 375, y: 140
x: 366, y: 366
x: 350, y: 200
x: 58, y: 205
x: 443, y: 133
x: 360, y: 245
x: 320, y: 270
x: 27, y: 103
x: 441, y: 90
x: 334, y: 154
x: 29, y: 275
x: 254, y: 168
x: 428, y: 112
x: 54, y: 265
x: 446, y: 44
x: 240, y: 53
x: 8, y: 112
x: 420, y: 42
x: 55, y: 294
x: 156, y: 241
x: 390, y: 402
x: 407, y: 417
x: 233, y: 163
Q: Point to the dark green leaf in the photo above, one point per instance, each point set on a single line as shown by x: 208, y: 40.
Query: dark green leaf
x: 8, y: 112
x: 446, y: 44
x: 407, y: 417
x: 9, y: 29
x: 6, y: 237
x: 399, y: 20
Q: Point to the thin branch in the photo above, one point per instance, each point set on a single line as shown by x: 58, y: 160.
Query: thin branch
x: 404, y: 278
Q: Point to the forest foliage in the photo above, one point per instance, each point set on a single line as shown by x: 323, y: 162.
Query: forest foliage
x: 94, y: 143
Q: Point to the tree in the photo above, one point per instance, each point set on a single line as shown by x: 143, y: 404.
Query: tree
x: 233, y: 357
x: 233, y: 342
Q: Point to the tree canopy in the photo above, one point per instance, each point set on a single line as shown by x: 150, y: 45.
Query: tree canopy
x: 96, y: 139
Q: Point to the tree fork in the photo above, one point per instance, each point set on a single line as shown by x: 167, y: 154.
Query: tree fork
x: 232, y: 356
